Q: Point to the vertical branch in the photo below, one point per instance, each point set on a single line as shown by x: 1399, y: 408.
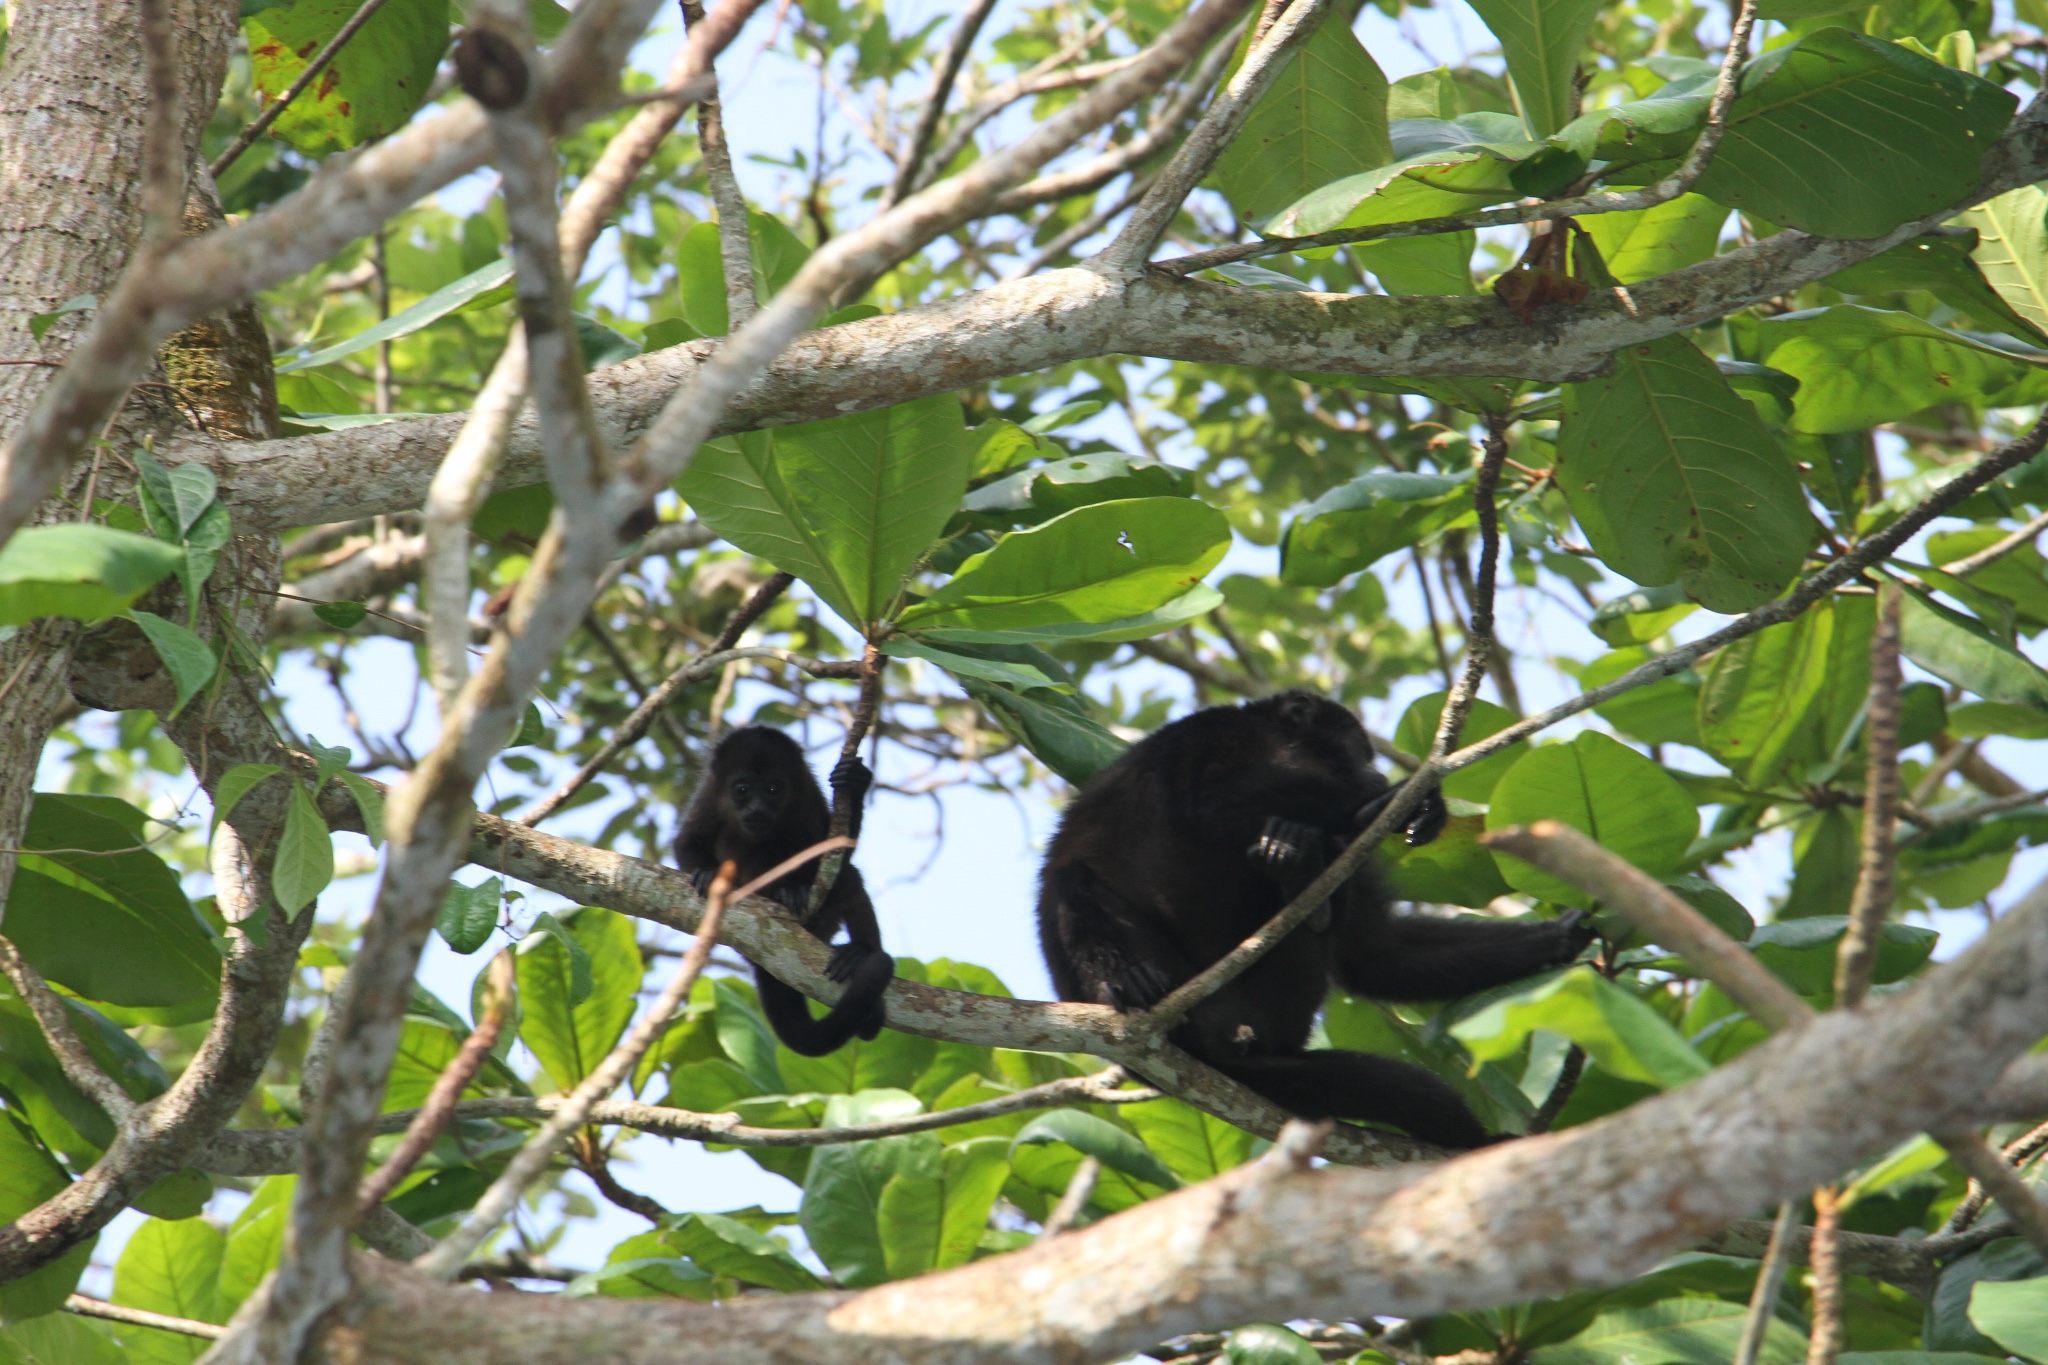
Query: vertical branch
x: 1824, y: 1254
x: 935, y: 98
x: 1479, y: 645
x: 1872, y: 900
x: 1770, y: 1279
x: 846, y: 790
x: 540, y: 1149
x: 163, y: 142
x: 382, y: 375
x: 735, y: 238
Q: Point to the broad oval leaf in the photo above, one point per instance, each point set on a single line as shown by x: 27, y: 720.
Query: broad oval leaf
x: 1324, y: 117
x: 1655, y: 241
x: 2013, y: 1314
x: 1858, y: 367
x: 1437, y: 183
x: 1358, y: 523
x: 1624, y: 1035
x: 469, y: 914
x: 1957, y: 649
x: 189, y: 659
x: 305, y: 853
x: 2012, y: 249
x: 726, y: 1246
x: 111, y: 922
x: 171, y: 1268
x: 1417, y: 732
x: 1543, y: 41
x: 1673, y: 1330
x: 1044, y: 491
x: 1265, y: 1343
x: 933, y: 1220
x: 1782, y: 699
x: 1101, y: 1139
x: 1636, y: 618
x: 78, y: 569
x: 369, y: 88
x: 1844, y: 135
x: 1451, y: 869
x: 1057, y: 729
x: 1605, y: 790
x: 569, y: 1039
x: 1674, y: 477
x: 848, y: 505
x: 1094, y: 566
x: 842, y: 1203
x: 29, y: 1175
x: 1947, y: 263
x: 1802, y: 951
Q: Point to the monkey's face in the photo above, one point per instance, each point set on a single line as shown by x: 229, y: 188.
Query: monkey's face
x: 756, y: 800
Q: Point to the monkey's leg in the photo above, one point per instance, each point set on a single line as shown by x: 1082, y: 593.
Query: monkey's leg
x: 1416, y: 958
x: 1359, y: 1085
x: 1119, y: 957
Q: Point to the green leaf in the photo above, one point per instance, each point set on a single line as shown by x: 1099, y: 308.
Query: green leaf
x: 1858, y: 367
x: 726, y: 1246
x: 2013, y: 1314
x: 1674, y: 477
x: 1467, y: 165
x: 1101, y: 1139
x: 2012, y: 249
x: 469, y: 914
x: 171, y: 1268
x: 1826, y: 857
x: 1417, y: 731
x: 255, y: 1240
x: 532, y: 728
x: 1948, y: 1325
x: 327, y: 760
x: 1661, y: 126
x: 602, y: 345
x: 1264, y: 1343
x: 576, y: 990
x: 1663, y: 712
x: 629, y: 1272
x: 406, y: 321
x: 370, y: 88
x: 848, y: 505
x: 1197, y: 601
x: 341, y: 615
x: 1323, y: 117
x: 933, y: 1220
x: 1451, y: 869
x: 1605, y: 790
x: 369, y: 801
x: 78, y: 569
x: 1023, y: 673
x: 1680, y: 1331
x: 1656, y: 241
x: 236, y: 783
x: 1802, y: 951
x: 1542, y: 41
x: 1957, y: 649
x: 1768, y: 703
x: 1975, y: 718
x: 40, y: 323
x: 1094, y: 565
x: 1942, y: 263
x: 1439, y: 264
x: 744, y: 1034
x: 1194, y: 1145
x: 1033, y: 495
x: 1358, y: 523
x: 1057, y: 729
x: 29, y: 1175
x: 111, y: 921
x: 1771, y: 392
x: 1879, y: 135
x: 1621, y: 1033
x: 1636, y: 618
x: 189, y: 658
x: 305, y: 853
x: 1066, y: 414
x: 842, y: 1204
x: 59, y: 1339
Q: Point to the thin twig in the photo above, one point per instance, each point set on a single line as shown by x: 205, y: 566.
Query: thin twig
x: 1080, y: 1189
x: 1872, y: 900
x: 845, y: 797
x: 1199, y: 152
x: 163, y: 141
x: 540, y: 1149
x: 2018, y: 1152
x: 623, y: 662
x: 432, y: 1117
x: 1997, y: 549
x: 141, y: 1317
x: 935, y: 99
x: 55, y: 1021
x: 2002, y: 1181
x: 1824, y: 1256
x: 261, y: 123
x: 735, y: 235
x: 1770, y: 1279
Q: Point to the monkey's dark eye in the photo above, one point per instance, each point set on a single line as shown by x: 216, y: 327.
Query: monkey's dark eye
x: 775, y: 789
x: 739, y: 789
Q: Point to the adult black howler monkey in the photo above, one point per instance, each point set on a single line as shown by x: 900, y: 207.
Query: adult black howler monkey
x: 1199, y: 834
x: 758, y: 805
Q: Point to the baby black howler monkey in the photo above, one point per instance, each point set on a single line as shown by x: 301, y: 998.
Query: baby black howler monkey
x: 1199, y: 834
x: 758, y: 805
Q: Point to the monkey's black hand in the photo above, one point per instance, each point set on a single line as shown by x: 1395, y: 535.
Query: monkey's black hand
x: 1282, y: 843
x: 1428, y: 819
x: 852, y: 774
x: 794, y: 897
x: 846, y: 960
x: 1139, y: 987
x: 1577, y: 930
x: 700, y: 880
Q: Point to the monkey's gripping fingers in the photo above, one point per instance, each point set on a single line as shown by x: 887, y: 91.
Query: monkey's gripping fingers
x: 1283, y: 843
x: 700, y: 880
x: 1428, y: 819
x: 1577, y: 929
x: 852, y: 775
x: 1139, y: 986
x: 845, y: 961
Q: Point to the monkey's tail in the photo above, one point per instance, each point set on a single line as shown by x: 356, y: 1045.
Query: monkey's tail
x: 859, y: 1011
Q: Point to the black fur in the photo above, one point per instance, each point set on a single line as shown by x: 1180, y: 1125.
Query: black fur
x: 1190, y: 842
x: 758, y: 805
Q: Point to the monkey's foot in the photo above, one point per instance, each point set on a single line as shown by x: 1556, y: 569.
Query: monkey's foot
x: 1138, y: 987
x: 846, y: 960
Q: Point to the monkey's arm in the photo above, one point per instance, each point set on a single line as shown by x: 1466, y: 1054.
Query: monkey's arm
x: 1415, y: 957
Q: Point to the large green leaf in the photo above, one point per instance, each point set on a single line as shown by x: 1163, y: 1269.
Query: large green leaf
x: 1605, y: 790
x: 1451, y: 869
x: 1621, y: 1033
x: 726, y: 1246
x: 1417, y: 731
x: 1194, y: 1145
x: 1543, y: 41
x: 174, y: 1269
x: 1655, y: 241
x: 1057, y: 729
x: 1043, y: 491
x: 848, y: 504
x: 1658, y: 127
x: 1802, y: 951
x: 1112, y: 1146
x: 1265, y: 1343
x: 2012, y: 248
x: 1466, y: 163
x: 435, y: 306
x: 1102, y: 564
x: 2013, y: 1314
x: 1358, y: 523
x: 1323, y: 117
x: 569, y: 1040
x: 255, y: 1240
x: 1772, y: 701
x: 59, y: 1339
x: 1858, y: 367
x: 1681, y: 1331
x: 1674, y: 478
x: 1844, y: 135
x: 1957, y: 649
x: 842, y: 1203
x: 96, y: 912
x: 369, y: 88
x: 305, y: 852
x: 78, y: 569
x: 1944, y: 263
x: 1948, y: 1325
x: 934, y: 1219
x: 29, y: 1175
